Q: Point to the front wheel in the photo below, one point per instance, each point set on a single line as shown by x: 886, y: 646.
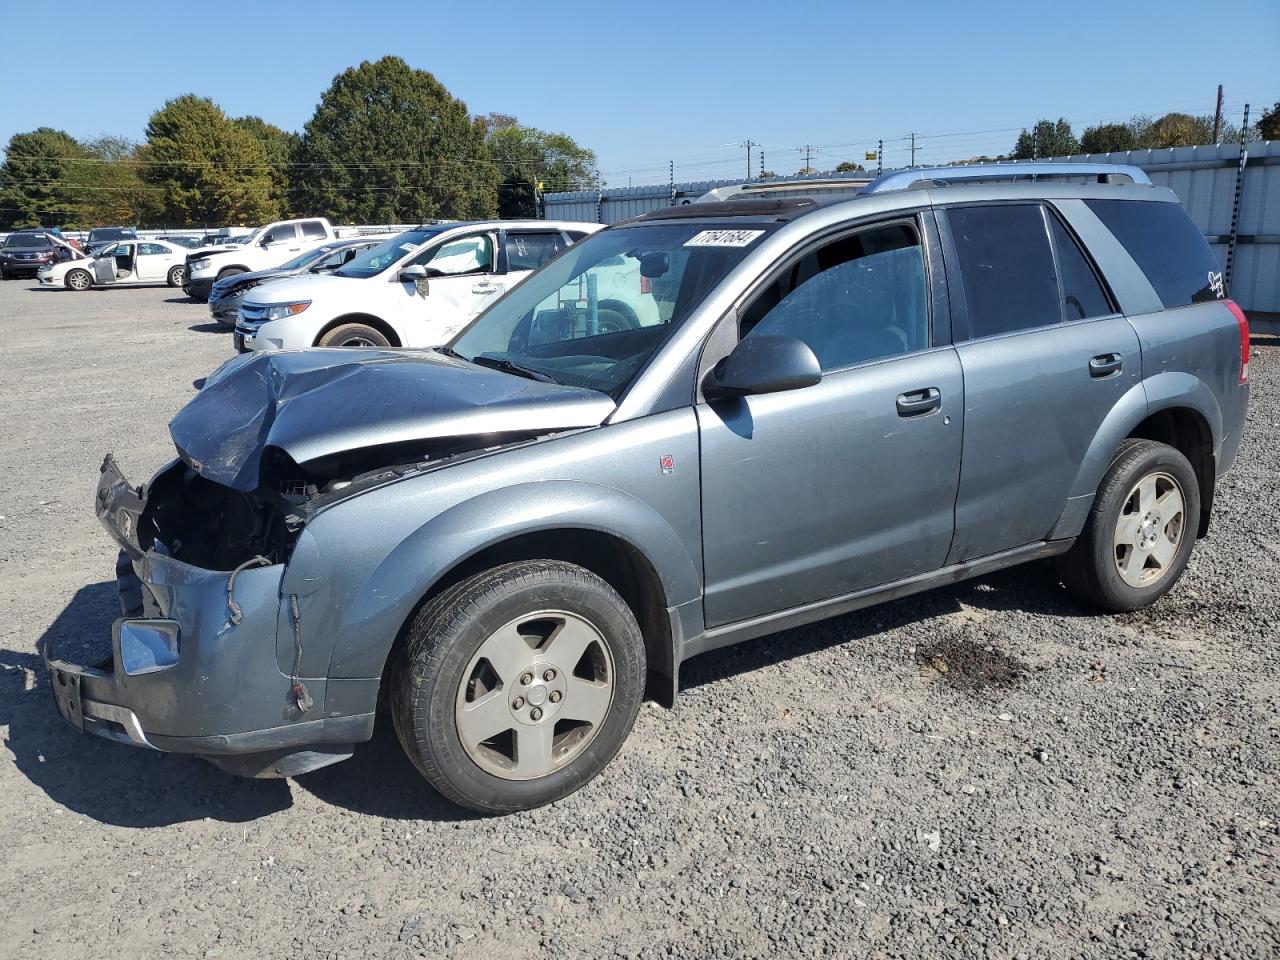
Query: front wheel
x: 1140, y: 531
x: 177, y: 276
x: 79, y: 280
x: 518, y: 685
x: 354, y: 335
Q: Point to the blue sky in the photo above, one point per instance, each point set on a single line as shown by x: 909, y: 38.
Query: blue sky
x: 644, y: 83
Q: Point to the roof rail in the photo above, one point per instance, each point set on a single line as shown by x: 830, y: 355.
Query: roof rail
x: 922, y: 177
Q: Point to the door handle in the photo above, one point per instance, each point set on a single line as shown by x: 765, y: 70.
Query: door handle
x: 916, y: 402
x: 1105, y: 365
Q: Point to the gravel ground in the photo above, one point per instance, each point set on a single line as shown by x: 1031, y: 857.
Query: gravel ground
x: 989, y: 770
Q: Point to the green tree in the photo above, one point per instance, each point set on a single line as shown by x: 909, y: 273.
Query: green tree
x: 281, y: 147
x: 109, y: 188
x: 1173, y: 130
x: 848, y: 166
x: 1108, y: 138
x: 1046, y: 139
x: 1269, y: 122
x: 526, y: 156
x: 208, y: 169
x: 36, y: 187
x: 388, y: 143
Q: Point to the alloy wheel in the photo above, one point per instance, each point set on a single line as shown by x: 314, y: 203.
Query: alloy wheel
x: 1150, y: 529
x: 534, y: 695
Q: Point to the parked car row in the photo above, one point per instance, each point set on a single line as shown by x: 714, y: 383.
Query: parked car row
x: 700, y: 426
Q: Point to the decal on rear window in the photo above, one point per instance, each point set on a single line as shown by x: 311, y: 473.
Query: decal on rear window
x: 724, y: 238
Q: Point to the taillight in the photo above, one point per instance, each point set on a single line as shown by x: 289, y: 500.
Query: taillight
x: 646, y: 285
x: 1243, y: 321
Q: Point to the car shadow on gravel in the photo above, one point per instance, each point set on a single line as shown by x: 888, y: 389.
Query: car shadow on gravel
x: 380, y: 781
x: 1030, y: 588
x: 210, y: 326
x: 110, y: 782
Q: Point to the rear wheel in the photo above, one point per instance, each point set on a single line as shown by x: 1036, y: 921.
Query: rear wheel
x: 1140, y: 531
x: 354, y: 335
x: 79, y: 280
x: 518, y: 685
x: 177, y: 276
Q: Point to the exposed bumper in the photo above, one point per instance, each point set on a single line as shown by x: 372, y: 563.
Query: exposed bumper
x: 217, y: 691
x: 198, y: 288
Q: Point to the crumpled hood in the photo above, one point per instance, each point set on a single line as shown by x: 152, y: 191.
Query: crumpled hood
x: 315, y: 403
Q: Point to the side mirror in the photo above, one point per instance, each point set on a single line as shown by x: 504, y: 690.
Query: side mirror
x: 413, y: 273
x: 764, y: 364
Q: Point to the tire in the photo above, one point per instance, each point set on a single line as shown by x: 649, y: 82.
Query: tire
x: 492, y: 639
x: 177, y: 276
x: 1140, y: 530
x: 229, y: 272
x: 78, y: 280
x: 616, y: 316
x: 353, y: 335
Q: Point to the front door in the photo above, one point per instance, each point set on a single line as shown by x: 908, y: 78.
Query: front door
x: 1046, y: 358
x: 461, y: 282
x: 104, y: 265
x: 816, y: 493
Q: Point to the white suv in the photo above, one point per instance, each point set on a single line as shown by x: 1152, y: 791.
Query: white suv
x: 416, y: 290
x: 265, y: 248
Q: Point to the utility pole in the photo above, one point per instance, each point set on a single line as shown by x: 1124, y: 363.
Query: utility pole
x: 913, y: 149
x: 808, y: 153
x: 1217, y: 117
x: 749, y: 144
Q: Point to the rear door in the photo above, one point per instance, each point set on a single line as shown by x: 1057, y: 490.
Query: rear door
x: 1046, y: 356
x: 153, y: 262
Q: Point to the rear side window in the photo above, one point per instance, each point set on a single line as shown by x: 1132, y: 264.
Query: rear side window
x: 529, y: 251
x: 313, y: 230
x: 1168, y: 248
x: 1007, y: 268
x: 1082, y: 294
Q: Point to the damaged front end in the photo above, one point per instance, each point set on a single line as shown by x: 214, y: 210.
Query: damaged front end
x: 192, y: 666
x: 208, y: 657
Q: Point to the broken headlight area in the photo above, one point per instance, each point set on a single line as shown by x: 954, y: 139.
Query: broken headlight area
x: 208, y: 525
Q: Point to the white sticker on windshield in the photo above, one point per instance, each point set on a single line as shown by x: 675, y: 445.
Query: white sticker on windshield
x: 409, y: 247
x: 724, y: 238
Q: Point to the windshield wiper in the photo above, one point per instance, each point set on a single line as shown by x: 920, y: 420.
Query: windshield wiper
x: 450, y: 352
x: 506, y: 366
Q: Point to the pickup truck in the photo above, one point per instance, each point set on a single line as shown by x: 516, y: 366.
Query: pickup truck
x: 266, y: 247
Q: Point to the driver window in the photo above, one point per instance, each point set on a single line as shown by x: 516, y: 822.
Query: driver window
x: 859, y: 298
x: 465, y: 255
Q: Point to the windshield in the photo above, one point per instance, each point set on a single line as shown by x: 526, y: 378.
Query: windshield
x: 594, y: 315
x: 99, y: 234
x: 376, y: 259
x: 36, y: 241
x: 304, y: 259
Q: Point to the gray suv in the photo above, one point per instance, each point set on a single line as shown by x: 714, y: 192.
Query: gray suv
x: 697, y: 427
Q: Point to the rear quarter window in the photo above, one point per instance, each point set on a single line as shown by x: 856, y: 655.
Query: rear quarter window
x: 1167, y: 247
